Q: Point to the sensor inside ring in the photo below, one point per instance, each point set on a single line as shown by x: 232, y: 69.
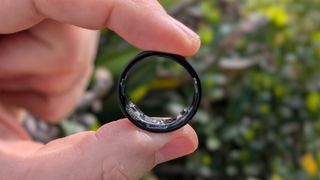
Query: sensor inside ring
x: 158, y: 124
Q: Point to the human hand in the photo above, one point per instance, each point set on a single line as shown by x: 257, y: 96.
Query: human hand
x: 46, y: 53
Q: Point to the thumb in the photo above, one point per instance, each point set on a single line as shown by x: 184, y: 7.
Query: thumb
x: 118, y: 150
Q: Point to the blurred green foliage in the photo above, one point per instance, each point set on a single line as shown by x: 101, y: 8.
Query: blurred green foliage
x: 260, y: 69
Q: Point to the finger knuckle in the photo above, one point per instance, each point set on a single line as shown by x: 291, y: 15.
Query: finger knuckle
x: 139, y: 140
x: 55, y: 84
x: 69, y: 60
x: 117, y: 172
x: 152, y: 5
x: 52, y: 110
x: 88, y: 139
x: 70, y: 55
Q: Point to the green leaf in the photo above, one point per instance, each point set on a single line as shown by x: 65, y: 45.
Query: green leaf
x: 206, y: 34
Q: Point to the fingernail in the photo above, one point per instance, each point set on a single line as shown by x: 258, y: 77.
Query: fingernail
x: 190, y: 33
x: 176, y: 148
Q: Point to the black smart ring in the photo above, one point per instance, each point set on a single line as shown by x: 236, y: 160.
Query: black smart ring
x: 158, y: 124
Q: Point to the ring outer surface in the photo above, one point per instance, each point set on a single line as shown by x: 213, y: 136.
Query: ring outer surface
x: 178, y: 59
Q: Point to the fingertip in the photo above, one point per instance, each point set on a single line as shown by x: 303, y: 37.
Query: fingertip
x: 172, y: 37
x: 185, y: 143
x: 191, y: 133
x: 189, y: 40
x: 193, y: 48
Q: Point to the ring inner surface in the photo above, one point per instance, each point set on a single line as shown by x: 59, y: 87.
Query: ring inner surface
x: 155, y: 122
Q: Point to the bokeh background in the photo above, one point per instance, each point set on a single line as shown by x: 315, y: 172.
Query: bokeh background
x: 260, y: 70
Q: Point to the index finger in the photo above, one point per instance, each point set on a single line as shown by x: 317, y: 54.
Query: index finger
x: 143, y: 23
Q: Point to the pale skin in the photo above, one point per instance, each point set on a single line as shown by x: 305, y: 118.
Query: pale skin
x: 47, y: 49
